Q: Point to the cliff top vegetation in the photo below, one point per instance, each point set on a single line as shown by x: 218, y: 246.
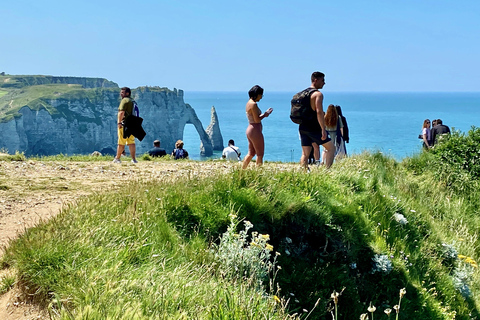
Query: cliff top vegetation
x: 37, y: 92
x: 345, y: 241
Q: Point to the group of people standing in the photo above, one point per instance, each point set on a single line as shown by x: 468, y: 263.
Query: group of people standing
x: 431, y: 131
x: 328, y: 130
x: 317, y: 129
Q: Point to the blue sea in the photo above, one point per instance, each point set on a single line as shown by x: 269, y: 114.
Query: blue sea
x: 386, y: 122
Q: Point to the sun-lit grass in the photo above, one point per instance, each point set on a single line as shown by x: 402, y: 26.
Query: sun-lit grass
x: 370, y: 225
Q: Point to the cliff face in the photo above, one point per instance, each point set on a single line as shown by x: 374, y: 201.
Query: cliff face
x: 84, y: 120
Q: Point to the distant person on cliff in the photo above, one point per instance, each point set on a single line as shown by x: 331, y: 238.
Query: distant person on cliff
x: 344, y: 134
x: 231, y: 153
x: 179, y: 152
x: 312, y: 129
x: 332, y: 123
x: 125, y: 109
x: 156, y: 151
x: 256, y: 143
x: 426, y: 134
x: 438, y: 130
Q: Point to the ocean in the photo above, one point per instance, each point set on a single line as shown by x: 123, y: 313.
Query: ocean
x: 385, y: 122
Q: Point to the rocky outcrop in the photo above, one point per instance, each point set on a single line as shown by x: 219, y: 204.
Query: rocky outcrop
x: 213, y: 131
x: 83, y: 121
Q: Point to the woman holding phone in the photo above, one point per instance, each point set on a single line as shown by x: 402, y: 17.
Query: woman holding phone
x: 256, y: 144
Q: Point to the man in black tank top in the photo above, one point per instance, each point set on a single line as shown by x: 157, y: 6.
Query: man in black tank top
x: 314, y: 131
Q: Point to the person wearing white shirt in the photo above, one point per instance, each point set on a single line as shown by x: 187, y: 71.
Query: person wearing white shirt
x: 231, y: 153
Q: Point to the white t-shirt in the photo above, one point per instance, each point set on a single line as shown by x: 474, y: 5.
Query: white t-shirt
x: 230, y: 154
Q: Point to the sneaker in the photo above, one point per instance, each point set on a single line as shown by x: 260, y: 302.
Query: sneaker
x: 116, y: 160
x: 134, y: 161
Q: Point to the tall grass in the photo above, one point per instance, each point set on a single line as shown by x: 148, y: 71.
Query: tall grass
x: 370, y: 225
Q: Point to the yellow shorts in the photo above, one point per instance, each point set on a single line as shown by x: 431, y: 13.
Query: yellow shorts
x: 122, y: 141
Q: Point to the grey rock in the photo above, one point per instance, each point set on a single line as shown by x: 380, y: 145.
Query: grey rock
x: 213, y: 131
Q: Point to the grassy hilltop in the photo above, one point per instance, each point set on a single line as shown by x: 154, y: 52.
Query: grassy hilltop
x: 34, y: 91
x: 269, y: 243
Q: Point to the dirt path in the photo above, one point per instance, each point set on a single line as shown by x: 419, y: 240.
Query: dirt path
x: 31, y: 191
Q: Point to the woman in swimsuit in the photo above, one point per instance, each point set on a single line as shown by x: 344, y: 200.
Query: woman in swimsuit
x: 254, y: 133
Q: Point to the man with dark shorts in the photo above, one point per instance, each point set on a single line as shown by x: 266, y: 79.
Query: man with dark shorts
x: 313, y: 130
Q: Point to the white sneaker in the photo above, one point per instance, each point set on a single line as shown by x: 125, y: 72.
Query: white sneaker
x: 134, y: 161
x: 116, y: 160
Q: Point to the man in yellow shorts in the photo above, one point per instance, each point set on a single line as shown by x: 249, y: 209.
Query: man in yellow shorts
x: 125, y: 109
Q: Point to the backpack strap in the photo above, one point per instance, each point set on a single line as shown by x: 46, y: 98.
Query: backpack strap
x: 238, y: 156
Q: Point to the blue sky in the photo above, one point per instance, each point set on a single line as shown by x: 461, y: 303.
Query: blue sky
x: 408, y: 45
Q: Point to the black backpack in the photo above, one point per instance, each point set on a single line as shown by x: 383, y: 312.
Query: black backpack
x: 301, y: 110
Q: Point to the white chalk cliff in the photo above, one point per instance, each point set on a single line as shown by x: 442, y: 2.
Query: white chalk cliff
x: 84, y: 120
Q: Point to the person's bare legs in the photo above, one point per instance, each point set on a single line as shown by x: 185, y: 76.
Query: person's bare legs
x: 328, y: 153
x: 259, y: 160
x: 316, y: 151
x: 120, y: 149
x: 132, y: 149
x: 247, y: 160
x: 305, y: 153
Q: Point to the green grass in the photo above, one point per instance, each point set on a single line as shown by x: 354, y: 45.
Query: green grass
x: 147, y: 253
x: 2, y: 93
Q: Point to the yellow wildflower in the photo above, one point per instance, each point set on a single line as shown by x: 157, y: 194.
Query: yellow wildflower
x: 469, y: 260
x: 265, y: 236
x: 253, y: 244
x: 277, y: 299
x: 461, y: 256
x: 269, y: 247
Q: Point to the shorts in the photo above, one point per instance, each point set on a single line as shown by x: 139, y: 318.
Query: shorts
x: 122, y: 141
x: 308, y: 137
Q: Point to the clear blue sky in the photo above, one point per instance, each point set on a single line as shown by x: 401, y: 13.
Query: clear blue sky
x: 410, y: 45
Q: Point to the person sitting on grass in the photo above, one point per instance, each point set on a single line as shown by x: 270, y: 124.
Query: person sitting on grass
x: 179, y: 152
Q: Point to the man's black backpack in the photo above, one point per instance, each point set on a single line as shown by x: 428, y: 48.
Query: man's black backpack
x: 301, y: 110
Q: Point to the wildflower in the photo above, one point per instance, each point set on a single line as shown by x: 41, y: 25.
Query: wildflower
x: 413, y: 210
x: 254, y: 244
x: 396, y: 308
x: 277, y: 253
x: 269, y: 247
x: 400, y: 218
x: 461, y: 256
x: 371, y: 308
x: 402, y: 292
x: 266, y: 237
x: 248, y: 224
x: 470, y: 260
x: 277, y: 299
x: 334, y: 296
x: 382, y: 264
x: 387, y: 311
x: 232, y: 216
x: 364, y: 316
